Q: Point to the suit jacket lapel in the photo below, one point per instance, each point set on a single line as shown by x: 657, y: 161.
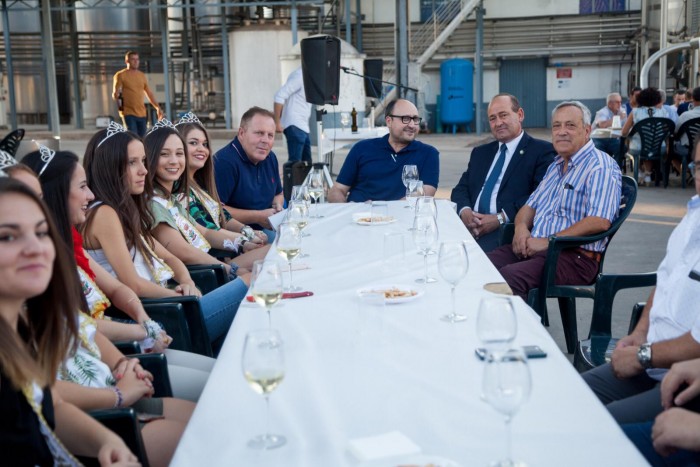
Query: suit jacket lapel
x: 516, y: 160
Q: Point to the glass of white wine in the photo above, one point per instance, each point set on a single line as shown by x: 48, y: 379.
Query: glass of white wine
x: 298, y: 213
x: 506, y: 386
x: 266, y: 284
x: 345, y: 120
x: 263, y: 369
x: 453, y: 263
x: 288, y: 244
x: 408, y: 174
x: 316, y: 190
x: 300, y: 193
x: 425, y: 236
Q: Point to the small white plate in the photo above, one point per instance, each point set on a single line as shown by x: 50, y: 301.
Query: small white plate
x: 362, y: 218
x: 411, y: 292
x: 412, y: 460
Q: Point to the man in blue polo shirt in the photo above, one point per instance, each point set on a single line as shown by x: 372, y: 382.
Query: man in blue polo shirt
x: 247, y: 173
x: 372, y: 170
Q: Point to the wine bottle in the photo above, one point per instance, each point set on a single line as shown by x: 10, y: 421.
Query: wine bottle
x: 353, y: 114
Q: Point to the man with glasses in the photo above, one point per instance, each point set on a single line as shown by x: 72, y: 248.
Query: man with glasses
x: 604, y: 119
x: 501, y: 174
x: 372, y: 170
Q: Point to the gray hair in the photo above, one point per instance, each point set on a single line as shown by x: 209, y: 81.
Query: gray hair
x: 663, y: 95
x: 611, y: 95
x: 577, y: 104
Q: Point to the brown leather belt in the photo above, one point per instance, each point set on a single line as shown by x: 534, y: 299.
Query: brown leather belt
x: 594, y: 255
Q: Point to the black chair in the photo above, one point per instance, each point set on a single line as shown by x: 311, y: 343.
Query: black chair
x: 591, y: 352
x: 690, y: 130
x: 10, y: 143
x: 567, y: 294
x: 653, y: 132
x: 208, y: 277
x: 123, y: 422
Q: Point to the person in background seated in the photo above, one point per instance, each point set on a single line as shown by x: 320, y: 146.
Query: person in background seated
x: 687, y: 104
x: 679, y: 97
x: 579, y: 195
x: 38, y: 299
x: 373, y: 168
x: 667, y: 332
x: 671, y: 110
x: 502, y: 174
x: 247, y: 172
x: 632, y: 101
x: 604, y: 119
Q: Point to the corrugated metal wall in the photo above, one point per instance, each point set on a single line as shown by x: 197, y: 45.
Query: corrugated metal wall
x: 527, y: 80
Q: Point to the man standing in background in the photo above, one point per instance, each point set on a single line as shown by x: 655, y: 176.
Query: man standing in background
x: 292, y: 116
x: 130, y: 85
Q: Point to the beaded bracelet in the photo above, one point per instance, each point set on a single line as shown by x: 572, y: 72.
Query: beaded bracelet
x: 120, y: 397
x: 153, y: 329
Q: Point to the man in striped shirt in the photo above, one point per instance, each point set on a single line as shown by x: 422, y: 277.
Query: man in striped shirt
x: 579, y: 195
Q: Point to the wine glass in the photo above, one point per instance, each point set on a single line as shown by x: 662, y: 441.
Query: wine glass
x: 409, y: 172
x: 506, y: 385
x: 425, y: 235
x: 266, y: 284
x: 300, y: 193
x: 496, y: 326
x: 316, y: 190
x: 425, y: 205
x: 345, y: 120
x: 288, y: 244
x: 263, y: 368
x: 453, y: 263
x: 298, y: 213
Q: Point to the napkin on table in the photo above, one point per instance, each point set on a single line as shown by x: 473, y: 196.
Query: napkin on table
x: 391, y: 444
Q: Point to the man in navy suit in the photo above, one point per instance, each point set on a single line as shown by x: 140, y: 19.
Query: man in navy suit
x: 502, y: 174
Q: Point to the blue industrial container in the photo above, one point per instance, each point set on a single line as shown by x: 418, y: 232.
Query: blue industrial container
x: 456, y: 92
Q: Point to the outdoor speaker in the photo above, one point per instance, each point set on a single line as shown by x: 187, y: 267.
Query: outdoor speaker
x: 320, y: 67
x: 374, y: 68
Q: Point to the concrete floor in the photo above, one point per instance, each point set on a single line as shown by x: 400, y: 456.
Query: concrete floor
x: 639, y: 246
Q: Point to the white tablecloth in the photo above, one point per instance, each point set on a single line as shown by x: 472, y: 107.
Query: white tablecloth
x: 351, y: 375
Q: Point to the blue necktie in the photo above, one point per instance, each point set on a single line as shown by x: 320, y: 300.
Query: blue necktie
x: 485, y: 200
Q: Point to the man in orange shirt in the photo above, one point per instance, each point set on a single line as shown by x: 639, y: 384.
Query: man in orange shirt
x: 132, y: 84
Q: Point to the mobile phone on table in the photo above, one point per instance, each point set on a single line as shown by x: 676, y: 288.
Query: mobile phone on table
x: 530, y: 351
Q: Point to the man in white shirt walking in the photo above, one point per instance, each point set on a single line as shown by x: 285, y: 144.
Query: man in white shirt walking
x: 292, y: 116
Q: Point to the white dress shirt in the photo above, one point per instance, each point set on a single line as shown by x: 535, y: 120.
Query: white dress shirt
x: 296, y: 110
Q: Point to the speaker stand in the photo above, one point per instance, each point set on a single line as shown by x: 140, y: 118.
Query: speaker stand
x: 320, y: 156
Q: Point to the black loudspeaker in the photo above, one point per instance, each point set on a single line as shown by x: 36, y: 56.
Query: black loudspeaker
x: 294, y: 173
x: 320, y: 66
x: 374, y: 68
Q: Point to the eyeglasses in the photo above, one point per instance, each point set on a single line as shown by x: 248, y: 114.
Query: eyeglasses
x: 694, y: 168
x: 406, y: 119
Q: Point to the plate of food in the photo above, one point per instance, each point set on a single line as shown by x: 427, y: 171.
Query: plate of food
x: 393, y: 293
x: 416, y: 460
x: 366, y: 218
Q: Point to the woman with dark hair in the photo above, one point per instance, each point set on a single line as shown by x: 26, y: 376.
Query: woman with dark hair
x: 173, y: 225
x: 118, y: 231
x: 205, y: 207
x: 188, y: 372
x: 38, y: 299
x: 649, y: 104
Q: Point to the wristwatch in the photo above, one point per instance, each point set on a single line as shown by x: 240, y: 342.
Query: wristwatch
x: 501, y: 218
x: 644, y: 355
x: 248, y: 232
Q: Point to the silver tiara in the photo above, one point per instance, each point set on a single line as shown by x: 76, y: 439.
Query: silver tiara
x: 189, y: 117
x: 6, y: 160
x: 162, y: 123
x: 112, y: 129
x: 47, y: 155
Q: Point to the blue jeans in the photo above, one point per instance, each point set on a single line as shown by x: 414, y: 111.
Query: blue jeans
x: 220, y: 305
x: 640, y: 435
x: 136, y: 124
x: 609, y: 145
x: 298, y: 144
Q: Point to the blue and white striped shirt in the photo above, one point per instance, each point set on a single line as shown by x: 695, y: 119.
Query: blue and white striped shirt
x: 591, y: 186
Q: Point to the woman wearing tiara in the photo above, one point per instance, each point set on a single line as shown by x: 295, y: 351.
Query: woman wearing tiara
x: 117, y: 231
x: 65, y: 186
x: 205, y: 207
x: 173, y: 225
x: 38, y: 299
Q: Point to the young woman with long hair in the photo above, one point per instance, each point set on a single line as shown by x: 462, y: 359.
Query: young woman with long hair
x: 117, y: 232
x: 39, y: 296
x: 67, y: 195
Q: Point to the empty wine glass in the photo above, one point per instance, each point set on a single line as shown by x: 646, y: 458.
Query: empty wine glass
x: 506, y: 385
x: 496, y: 326
x: 425, y: 236
x: 263, y: 368
x: 288, y: 244
x: 345, y: 120
x: 425, y: 205
x: 300, y: 193
x: 409, y: 172
x: 266, y: 284
x: 415, y: 190
x: 316, y: 189
x: 453, y: 263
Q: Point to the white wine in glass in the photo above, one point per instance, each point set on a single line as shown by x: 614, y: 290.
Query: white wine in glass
x: 453, y: 263
x: 266, y: 284
x: 263, y: 369
x: 288, y: 245
x: 298, y: 213
x: 316, y: 189
x: 409, y: 173
x: 506, y: 386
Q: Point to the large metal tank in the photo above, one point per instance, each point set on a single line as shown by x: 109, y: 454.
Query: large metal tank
x: 456, y: 92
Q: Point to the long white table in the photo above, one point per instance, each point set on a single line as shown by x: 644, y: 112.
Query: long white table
x: 350, y: 375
